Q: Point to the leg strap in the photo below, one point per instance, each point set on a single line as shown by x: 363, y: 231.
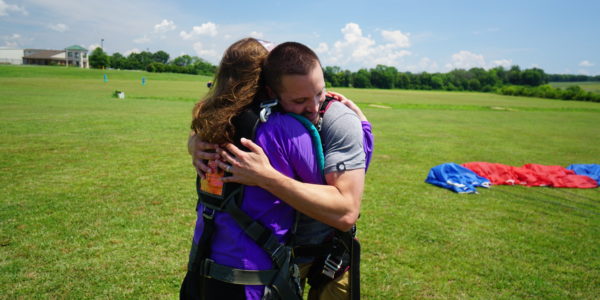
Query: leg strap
x: 209, y: 268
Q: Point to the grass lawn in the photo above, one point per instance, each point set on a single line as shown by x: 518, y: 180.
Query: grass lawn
x: 98, y: 193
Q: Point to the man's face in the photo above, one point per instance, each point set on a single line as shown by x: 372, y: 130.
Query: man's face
x: 302, y: 94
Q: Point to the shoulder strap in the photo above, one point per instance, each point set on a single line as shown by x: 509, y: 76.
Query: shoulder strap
x: 316, y: 138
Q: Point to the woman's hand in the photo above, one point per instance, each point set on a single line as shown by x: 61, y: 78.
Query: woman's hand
x: 249, y: 168
x: 348, y: 103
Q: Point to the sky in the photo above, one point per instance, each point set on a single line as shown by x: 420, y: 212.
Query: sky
x: 433, y: 36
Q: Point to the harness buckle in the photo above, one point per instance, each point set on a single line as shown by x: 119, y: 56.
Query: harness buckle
x: 206, y: 266
x: 265, y: 109
x: 279, y: 255
x: 208, y: 213
x: 331, y: 266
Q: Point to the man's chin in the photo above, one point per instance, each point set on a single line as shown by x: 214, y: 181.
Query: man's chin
x: 313, y: 119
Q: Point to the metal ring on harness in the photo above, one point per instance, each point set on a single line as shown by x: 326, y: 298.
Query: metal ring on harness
x: 265, y: 109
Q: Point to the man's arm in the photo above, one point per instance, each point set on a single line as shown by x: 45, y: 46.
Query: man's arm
x: 336, y: 204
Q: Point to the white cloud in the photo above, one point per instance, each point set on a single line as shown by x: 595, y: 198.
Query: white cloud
x: 466, y: 60
x: 12, y: 41
x: 134, y: 50
x: 208, y: 28
x: 363, y: 51
x: 323, y: 48
x: 257, y: 35
x: 60, y: 27
x: 93, y: 47
x: 397, y: 37
x: 425, y: 64
x: 583, y: 72
x: 586, y: 63
x: 164, y: 26
x: 142, y: 40
x: 204, y: 53
x: 6, y: 8
x: 506, y: 63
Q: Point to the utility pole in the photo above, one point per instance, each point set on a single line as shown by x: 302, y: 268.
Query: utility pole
x: 102, y: 44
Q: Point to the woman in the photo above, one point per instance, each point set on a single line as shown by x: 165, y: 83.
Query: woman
x: 237, y: 86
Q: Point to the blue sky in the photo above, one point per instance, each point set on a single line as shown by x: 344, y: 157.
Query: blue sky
x: 433, y: 36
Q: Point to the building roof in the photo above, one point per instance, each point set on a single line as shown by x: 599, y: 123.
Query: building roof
x: 44, y: 54
x: 76, y: 47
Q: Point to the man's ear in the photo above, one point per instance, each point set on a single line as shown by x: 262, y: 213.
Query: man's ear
x: 270, y: 92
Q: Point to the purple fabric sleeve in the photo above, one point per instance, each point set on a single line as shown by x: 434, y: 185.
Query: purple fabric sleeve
x: 368, y: 142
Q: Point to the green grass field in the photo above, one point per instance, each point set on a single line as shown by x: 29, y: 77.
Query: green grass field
x: 590, y: 86
x: 98, y: 193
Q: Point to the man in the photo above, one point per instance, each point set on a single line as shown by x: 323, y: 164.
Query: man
x: 293, y: 74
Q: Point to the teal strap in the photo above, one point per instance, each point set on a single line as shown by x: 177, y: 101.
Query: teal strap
x: 316, y: 138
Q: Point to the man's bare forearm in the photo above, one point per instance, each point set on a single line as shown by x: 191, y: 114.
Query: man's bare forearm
x: 336, y: 205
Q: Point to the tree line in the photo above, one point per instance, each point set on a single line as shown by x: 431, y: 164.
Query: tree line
x: 158, y: 61
x: 571, y: 78
x: 474, y: 79
x: 513, y: 81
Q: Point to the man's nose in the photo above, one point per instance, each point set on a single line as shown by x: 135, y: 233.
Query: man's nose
x: 314, y: 105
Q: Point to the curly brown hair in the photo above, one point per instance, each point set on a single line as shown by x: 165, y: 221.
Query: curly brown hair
x: 236, y: 85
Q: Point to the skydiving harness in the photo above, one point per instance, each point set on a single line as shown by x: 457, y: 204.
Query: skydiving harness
x: 332, y: 258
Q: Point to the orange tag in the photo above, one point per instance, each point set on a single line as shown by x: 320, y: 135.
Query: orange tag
x: 213, y: 183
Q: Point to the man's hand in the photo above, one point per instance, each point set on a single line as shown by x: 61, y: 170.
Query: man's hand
x: 349, y: 103
x: 201, y: 151
x: 249, y: 168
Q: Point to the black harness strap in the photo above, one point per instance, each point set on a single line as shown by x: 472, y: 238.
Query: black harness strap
x: 211, y: 269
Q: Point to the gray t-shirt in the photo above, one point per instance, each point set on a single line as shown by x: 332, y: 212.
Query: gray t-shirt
x: 342, y: 137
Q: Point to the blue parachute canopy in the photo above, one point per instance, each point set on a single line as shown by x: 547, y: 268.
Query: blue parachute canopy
x: 590, y: 170
x: 456, y: 178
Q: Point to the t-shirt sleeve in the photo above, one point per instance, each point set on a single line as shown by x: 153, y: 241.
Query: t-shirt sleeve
x: 343, y: 142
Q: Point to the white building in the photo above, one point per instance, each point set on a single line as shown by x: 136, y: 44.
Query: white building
x: 11, y: 56
x: 71, y: 56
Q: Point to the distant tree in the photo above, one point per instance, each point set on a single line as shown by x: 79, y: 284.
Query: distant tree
x: 383, y: 77
x: 99, y: 59
x: 474, y: 84
x: 183, y: 60
x: 361, y: 79
x: 202, y: 67
x: 402, y: 80
x: 118, y: 61
x: 514, y: 75
x: 160, y: 56
x: 533, y: 77
x: 437, y: 82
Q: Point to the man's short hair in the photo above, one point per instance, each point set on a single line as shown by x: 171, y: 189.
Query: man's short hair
x: 289, y: 58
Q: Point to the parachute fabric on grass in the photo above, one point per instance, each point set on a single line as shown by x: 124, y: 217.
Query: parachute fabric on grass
x: 590, y: 170
x: 531, y: 175
x: 456, y: 178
